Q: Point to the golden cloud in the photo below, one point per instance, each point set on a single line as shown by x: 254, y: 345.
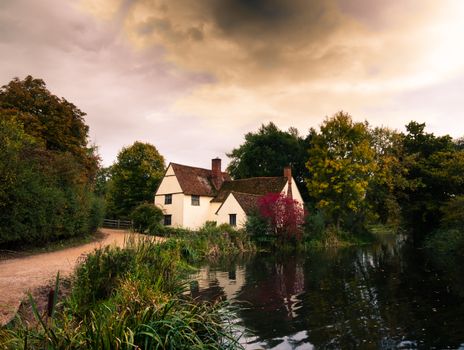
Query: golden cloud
x: 281, y: 58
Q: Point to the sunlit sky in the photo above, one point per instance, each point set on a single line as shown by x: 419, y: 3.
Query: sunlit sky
x: 193, y: 76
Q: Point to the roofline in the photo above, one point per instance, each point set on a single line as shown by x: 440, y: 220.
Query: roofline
x: 232, y: 193
x: 164, y: 175
x: 258, y: 177
x: 195, y: 167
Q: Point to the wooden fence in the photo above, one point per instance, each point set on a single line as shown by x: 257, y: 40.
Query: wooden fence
x: 117, y: 224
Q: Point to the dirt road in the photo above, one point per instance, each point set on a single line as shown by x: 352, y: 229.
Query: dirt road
x: 20, y: 275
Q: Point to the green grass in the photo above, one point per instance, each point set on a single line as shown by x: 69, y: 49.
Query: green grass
x: 135, y: 298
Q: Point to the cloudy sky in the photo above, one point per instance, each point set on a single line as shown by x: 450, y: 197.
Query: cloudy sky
x: 193, y: 76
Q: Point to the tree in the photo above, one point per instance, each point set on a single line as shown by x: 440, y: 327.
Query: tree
x: 42, y: 197
x: 102, y: 179
x: 341, y: 163
x: 54, y: 121
x: 46, y: 167
x: 267, y: 152
x: 437, y: 170
x: 285, y: 216
x: 390, y: 178
x: 134, y: 178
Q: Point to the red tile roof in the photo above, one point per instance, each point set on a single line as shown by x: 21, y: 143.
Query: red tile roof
x: 196, y: 181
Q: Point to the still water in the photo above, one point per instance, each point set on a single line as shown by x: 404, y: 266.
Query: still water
x: 385, y: 296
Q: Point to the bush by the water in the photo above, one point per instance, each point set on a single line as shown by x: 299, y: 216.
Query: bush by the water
x: 134, y: 298
x: 208, y: 241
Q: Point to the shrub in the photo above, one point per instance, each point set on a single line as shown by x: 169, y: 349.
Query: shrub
x: 146, y: 216
x: 97, y: 277
x: 284, y: 215
x: 258, y: 228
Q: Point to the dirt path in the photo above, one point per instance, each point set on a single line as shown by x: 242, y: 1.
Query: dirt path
x: 20, y: 275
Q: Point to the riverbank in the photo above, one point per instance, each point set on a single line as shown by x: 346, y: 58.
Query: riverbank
x: 27, y: 272
x: 134, y: 296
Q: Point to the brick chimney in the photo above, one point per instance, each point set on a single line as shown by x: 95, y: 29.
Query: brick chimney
x: 216, y: 173
x: 288, y: 175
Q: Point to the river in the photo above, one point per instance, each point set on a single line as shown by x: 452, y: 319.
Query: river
x: 383, y: 296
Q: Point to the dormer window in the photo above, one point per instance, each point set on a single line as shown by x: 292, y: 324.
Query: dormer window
x: 195, y: 200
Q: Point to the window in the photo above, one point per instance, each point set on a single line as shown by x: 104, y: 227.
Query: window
x: 168, y: 199
x: 195, y: 200
x: 233, y: 219
x: 167, y: 220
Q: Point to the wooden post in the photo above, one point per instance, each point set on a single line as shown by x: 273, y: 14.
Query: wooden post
x: 51, y: 296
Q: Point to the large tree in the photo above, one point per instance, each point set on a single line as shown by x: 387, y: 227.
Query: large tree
x: 341, y: 163
x: 53, y: 121
x: 267, y: 152
x: 42, y: 193
x: 390, y: 179
x: 437, y: 169
x: 134, y: 178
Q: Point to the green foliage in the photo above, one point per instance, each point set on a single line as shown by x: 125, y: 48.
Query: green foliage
x: 315, y: 225
x: 390, y: 177
x: 453, y: 213
x: 208, y: 241
x: 134, y: 178
x: 53, y: 121
x: 446, y: 245
x: 267, y: 152
x: 437, y: 170
x: 97, y: 213
x: 134, y: 298
x: 145, y: 216
x: 168, y: 231
x: 98, y: 277
x: 102, y: 179
x: 259, y: 229
x: 341, y: 163
x: 45, y: 178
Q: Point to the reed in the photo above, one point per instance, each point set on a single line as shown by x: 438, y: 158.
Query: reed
x: 135, y: 298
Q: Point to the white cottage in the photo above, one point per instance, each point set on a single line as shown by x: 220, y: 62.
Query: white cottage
x: 190, y: 196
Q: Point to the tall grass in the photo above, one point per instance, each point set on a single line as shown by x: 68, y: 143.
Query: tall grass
x: 135, y: 298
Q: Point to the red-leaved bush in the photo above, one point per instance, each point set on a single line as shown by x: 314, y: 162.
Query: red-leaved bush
x: 285, y: 215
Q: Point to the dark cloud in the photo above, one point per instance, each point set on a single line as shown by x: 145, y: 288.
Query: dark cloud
x: 238, y: 15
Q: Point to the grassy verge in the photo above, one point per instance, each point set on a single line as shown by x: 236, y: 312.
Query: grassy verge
x: 134, y: 298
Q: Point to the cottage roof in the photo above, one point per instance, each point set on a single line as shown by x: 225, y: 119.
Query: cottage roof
x: 248, y: 202
x: 259, y: 186
x: 196, y: 181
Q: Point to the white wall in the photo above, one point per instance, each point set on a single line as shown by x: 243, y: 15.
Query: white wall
x: 295, y: 192
x: 196, y: 215
x: 170, y: 185
x: 213, y: 208
x: 231, y: 206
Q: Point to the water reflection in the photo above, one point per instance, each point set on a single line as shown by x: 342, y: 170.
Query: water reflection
x: 383, y: 296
